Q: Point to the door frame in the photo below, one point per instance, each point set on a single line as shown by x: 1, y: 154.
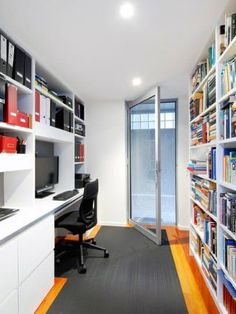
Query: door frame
x: 175, y: 100
x: 155, y: 237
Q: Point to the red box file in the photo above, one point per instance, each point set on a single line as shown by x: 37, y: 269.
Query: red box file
x: 8, y: 144
x: 37, y: 106
x: 10, y: 112
x: 22, y: 119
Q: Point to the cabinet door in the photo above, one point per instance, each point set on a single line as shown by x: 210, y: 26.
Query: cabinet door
x: 10, y: 304
x: 35, y: 244
x: 34, y: 289
x: 8, y: 269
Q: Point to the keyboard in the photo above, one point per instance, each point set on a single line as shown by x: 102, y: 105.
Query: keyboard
x: 65, y: 195
x: 7, y: 212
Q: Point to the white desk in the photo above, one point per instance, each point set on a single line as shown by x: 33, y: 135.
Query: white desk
x: 27, y: 255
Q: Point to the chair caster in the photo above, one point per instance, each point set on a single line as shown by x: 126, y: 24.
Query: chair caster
x: 82, y: 269
x: 94, y: 242
x: 106, y: 254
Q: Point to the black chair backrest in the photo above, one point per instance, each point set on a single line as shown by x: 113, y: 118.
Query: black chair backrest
x: 88, y: 207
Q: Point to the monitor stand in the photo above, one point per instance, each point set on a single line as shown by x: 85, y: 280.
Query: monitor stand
x: 43, y: 194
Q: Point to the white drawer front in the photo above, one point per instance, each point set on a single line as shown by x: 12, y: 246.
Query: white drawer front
x: 34, y: 245
x: 10, y: 304
x: 34, y: 289
x: 8, y: 268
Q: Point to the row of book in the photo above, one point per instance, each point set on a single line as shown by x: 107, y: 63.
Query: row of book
x: 79, y: 152
x: 228, y: 118
x: 228, y: 210
x: 230, y: 28
x: 228, y: 76
x: 207, y: 226
x: 197, y: 167
x: 204, y: 130
x: 209, y: 267
x: 203, y: 99
x: 211, y: 163
x: 228, y: 301
x: 208, y: 261
x: 204, y: 192
x: 229, y: 256
x: 204, y: 67
x: 229, y: 166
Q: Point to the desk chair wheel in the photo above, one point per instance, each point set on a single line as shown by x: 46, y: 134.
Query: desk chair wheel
x: 94, y: 242
x: 106, y: 254
x: 82, y: 269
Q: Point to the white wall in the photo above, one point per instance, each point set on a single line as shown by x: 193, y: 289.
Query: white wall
x: 182, y: 184
x: 106, y: 158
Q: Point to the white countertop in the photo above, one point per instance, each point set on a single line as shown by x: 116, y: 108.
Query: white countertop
x: 25, y: 217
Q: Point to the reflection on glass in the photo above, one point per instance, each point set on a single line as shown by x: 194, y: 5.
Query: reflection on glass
x: 142, y: 151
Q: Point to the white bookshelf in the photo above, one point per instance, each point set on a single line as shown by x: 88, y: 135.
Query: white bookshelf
x: 199, y: 152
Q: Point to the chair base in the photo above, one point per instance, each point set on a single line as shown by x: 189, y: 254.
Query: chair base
x: 80, y: 245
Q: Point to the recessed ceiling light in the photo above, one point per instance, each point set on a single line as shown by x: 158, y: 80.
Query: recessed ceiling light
x: 136, y: 81
x: 127, y: 10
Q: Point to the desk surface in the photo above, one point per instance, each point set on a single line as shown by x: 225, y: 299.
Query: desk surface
x: 11, y: 226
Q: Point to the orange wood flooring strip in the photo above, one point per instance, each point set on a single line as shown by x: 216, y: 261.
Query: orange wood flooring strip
x: 197, y: 296
x: 51, y: 296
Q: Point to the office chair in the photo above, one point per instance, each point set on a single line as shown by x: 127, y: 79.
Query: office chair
x: 84, y: 219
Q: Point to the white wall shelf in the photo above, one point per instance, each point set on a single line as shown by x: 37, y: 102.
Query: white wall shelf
x: 229, y: 51
x: 15, y: 128
x: 15, y: 162
x: 79, y: 136
x: 205, y: 210
x: 21, y: 89
x: 203, y: 145
x: 226, y: 96
x: 79, y: 120
x: 48, y: 133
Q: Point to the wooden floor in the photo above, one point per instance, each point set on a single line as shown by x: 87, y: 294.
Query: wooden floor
x: 195, y: 291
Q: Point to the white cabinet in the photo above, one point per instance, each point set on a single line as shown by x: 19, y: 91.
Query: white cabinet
x: 35, y: 244
x: 10, y: 304
x: 34, y: 289
x: 8, y: 269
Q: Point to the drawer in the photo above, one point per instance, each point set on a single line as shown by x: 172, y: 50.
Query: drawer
x: 8, y: 268
x: 35, y: 244
x: 10, y: 304
x: 34, y: 289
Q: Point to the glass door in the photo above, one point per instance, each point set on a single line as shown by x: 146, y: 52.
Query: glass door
x: 144, y: 164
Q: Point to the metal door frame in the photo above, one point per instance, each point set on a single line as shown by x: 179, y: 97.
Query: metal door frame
x: 154, y: 92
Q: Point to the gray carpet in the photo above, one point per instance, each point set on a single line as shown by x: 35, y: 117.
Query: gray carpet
x: 139, y: 277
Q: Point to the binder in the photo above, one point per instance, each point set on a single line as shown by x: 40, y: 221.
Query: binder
x: 62, y: 119
x: 48, y: 109
x: 10, y: 113
x: 71, y: 122
x: 2, y: 98
x: 42, y: 109
x: 52, y: 114
x: 10, y: 58
x: 37, y: 106
x: 3, y: 54
x: 19, y: 65
x: 27, y: 75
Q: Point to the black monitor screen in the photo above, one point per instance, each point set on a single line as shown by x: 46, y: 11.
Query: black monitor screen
x: 46, y: 172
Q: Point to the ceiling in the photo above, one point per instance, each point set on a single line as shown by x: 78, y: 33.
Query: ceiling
x: 96, y: 52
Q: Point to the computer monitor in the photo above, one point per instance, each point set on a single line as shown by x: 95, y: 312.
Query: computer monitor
x: 46, y: 175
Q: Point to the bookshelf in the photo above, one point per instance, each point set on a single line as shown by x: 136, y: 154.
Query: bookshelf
x: 212, y: 153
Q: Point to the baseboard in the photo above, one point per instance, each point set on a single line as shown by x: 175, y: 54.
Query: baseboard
x: 112, y: 223
x: 183, y: 227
